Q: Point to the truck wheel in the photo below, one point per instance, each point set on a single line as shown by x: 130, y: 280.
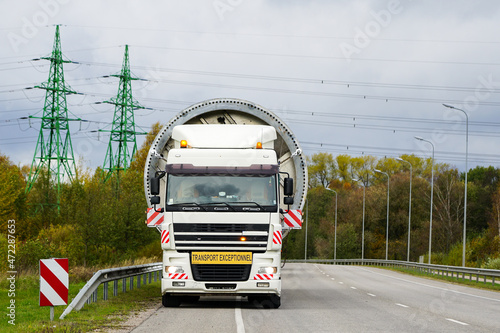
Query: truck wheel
x: 272, y: 302
x: 255, y: 300
x: 170, y: 301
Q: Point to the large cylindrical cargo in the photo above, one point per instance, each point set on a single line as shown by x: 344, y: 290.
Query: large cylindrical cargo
x: 233, y: 111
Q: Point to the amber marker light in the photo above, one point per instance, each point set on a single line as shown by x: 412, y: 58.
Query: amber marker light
x: 243, y: 239
x: 184, y: 143
x: 259, y: 145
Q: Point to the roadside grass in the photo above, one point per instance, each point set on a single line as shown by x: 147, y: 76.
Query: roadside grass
x: 102, y: 315
x: 454, y: 280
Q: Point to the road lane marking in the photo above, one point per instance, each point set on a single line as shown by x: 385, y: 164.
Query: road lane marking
x: 333, y: 279
x: 240, y: 327
x: 372, y: 295
x: 354, y: 288
x: 427, y: 285
x: 457, y: 322
x: 341, y: 282
x: 402, y: 305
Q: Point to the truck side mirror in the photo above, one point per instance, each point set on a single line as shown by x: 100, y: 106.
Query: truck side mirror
x: 288, y: 186
x: 155, y: 200
x: 155, y: 185
x: 288, y: 200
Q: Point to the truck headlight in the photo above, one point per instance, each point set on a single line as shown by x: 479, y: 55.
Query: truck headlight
x: 173, y: 269
x: 268, y: 270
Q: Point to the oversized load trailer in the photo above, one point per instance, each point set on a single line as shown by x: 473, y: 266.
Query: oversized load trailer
x: 223, y: 197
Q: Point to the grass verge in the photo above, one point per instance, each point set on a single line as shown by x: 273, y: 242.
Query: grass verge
x: 103, y: 315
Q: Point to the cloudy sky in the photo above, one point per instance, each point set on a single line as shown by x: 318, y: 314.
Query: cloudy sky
x: 349, y: 77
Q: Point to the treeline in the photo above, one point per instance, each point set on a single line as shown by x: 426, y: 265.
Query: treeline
x: 98, y: 223
x: 346, y: 175
x: 102, y: 223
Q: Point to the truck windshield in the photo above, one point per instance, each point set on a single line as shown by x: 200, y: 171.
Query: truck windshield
x: 221, y: 192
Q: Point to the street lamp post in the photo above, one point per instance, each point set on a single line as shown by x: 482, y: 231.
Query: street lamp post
x: 387, y: 227
x: 335, y: 238
x: 409, y: 209
x: 432, y: 194
x: 466, y: 171
x: 363, y: 225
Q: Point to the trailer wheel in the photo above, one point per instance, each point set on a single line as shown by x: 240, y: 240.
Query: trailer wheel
x: 170, y: 301
x: 271, y: 302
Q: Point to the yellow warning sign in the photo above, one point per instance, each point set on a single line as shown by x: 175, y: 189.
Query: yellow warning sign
x: 241, y: 258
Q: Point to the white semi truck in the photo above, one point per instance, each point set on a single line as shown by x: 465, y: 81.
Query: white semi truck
x: 219, y: 184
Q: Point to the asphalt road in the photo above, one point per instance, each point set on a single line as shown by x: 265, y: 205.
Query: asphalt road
x: 326, y: 298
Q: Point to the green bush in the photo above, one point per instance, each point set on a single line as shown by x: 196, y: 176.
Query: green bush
x: 492, y: 263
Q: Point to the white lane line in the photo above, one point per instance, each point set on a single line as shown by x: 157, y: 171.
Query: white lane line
x: 402, y: 305
x: 434, y: 287
x: 341, y: 282
x: 240, y: 327
x: 333, y: 279
x: 457, y: 322
x: 354, y: 288
x: 372, y: 295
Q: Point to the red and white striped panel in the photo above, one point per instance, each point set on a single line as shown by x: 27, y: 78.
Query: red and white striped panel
x: 263, y: 276
x: 154, y: 218
x: 165, y: 236
x: 277, y: 237
x: 293, y: 219
x: 54, y: 282
x: 177, y: 276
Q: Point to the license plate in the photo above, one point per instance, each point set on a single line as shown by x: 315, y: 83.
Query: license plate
x: 224, y: 258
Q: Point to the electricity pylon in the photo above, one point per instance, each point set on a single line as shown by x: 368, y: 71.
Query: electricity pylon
x: 54, y: 151
x: 122, y: 142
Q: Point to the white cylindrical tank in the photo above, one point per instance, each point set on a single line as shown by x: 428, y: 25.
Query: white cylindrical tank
x: 233, y: 111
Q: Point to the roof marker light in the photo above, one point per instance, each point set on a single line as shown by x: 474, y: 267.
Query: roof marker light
x: 184, y: 144
x: 259, y: 145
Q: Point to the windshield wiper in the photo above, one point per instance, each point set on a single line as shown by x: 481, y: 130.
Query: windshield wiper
x: 218, y: 203
x: 187, y: 204
x: 250, y: 202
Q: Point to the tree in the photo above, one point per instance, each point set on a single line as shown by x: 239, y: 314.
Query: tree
x: 448, y: 209
x: 12, y: 196
x: 482, y: 185
x: 321, y: 169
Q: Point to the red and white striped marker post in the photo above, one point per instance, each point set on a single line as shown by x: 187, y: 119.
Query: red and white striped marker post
x: 54, y: 283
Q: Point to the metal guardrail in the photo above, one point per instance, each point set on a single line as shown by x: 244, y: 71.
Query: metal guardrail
x: 487, y: 275
x: 88, y: 293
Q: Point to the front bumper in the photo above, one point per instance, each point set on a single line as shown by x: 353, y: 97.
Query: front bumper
x: 209, y: 288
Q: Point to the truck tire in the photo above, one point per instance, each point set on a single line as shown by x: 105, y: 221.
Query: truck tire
x: 271, y: 302
x: 170, y: 301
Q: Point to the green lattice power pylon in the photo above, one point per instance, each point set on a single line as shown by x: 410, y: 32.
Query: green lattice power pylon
x: 122, y: 142
x: 54, y: 151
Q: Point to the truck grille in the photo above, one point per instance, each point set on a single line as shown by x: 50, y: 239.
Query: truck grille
x: 221, y: 272
x: 221, y: 236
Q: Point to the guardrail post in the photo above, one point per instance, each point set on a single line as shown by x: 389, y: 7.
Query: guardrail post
x: 144, y: 281
x: 138, y: 281
x: 124, y: 284
x: 105, y: 291
x: 131, y: 282
x: 149, y: 277
x: 493, y: 280
x: 115, y: 287
x: 94, y: 296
